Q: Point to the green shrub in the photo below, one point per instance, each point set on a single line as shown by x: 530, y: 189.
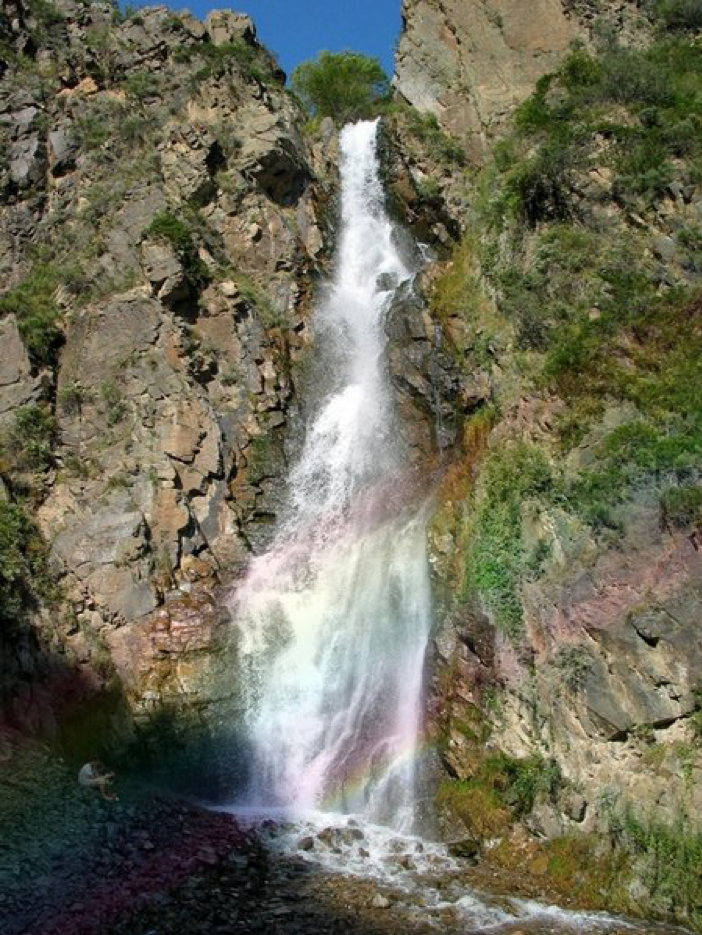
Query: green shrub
x: 440, y: 146
x: 573, y: 663
x: 23, y: 563
x: 631, y: 456
x: 220, y: 59
x: 521, y: 781
x: 496, y: 558
x: 540, y: 189
x: 46, y: 14
x: 71, y: 397
x: 680, y: 15
x: 672, y: 862
x: 344, y: 85
x: 501, y: 789
x: 633, y: 77
x: 428, y: 189
x: 37, y: 314
x: 166, y: 226
x: 32, y: 437
x: 115, y: 407
x: 141, y: 85
x: 253, y: 294
x: 681, y: 507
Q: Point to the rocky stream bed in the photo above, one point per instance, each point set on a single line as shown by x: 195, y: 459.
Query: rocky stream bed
x: 155, y: 864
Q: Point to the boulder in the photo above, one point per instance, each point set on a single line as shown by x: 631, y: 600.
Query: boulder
x: 188, y: 156
x: 224, y: 26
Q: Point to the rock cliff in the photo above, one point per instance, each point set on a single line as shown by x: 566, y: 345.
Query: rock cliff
x: 160, y: 221
x: 566, y: 546
x: 164, y: 216
x: 471, y: 63
x: 165, y: 213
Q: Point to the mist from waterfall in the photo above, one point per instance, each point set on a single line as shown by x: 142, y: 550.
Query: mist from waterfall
x: 334, y: 617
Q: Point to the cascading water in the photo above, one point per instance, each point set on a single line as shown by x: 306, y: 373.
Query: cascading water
x: 335, y: 616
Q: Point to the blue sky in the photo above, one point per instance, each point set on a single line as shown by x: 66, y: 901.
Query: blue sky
x: 298, y: 29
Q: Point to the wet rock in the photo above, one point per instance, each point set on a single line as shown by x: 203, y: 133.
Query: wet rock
x: 468, y: 849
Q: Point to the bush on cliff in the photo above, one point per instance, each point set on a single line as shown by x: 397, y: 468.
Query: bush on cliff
x: 680, y: 15
x: 32, y: 437
x: 176, y: 231
x: 32, y: 302
x: 342, y: 85
x: 23, y: 566
x: 497, y: 560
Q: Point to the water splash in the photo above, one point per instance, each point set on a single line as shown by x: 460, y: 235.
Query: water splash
x: 335, y: 616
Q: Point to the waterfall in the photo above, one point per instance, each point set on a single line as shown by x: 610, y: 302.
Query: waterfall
x: 334, y: 617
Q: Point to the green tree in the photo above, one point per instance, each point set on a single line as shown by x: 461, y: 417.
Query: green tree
x: 341, y: 85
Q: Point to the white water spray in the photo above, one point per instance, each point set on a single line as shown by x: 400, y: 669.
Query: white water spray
x: 335, y: 616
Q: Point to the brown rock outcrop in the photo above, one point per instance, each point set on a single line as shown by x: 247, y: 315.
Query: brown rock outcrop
x: 470, y: 62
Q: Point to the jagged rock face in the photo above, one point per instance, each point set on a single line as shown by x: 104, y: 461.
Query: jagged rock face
x: 172, y: 382
x: 470, y: 62
x: 182, y: 215
x: 433, y: 395
x: 601, y: 672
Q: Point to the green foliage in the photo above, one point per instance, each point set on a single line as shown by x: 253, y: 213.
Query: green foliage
x: 45, y: 13
x: 71, y: 397
x: 695, y: 719
x: 540, y: 188
x: 343, y: 85
x: 175, y: 230
x: 497, y: 562
x: 591, y: 303
x: 32, y: 437
x: 644, y: 104
x: 440, y: 146
x: 23, y: 563
x: 112, y: 397
x: 574, y: 664
x: 141, y: 85
x: 521, y: 781
x: 501, y: 789
x: 681, y: 507
x: 238, y: 55
x: 672, y: 860
x: 166, y: 226
x: 428, y: 189
x: 37, y: 314
x: 680, y: 15
x: 253, y: 294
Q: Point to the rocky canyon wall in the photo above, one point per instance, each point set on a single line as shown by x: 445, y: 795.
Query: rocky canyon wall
x: 164, y: 217
x: 566, y: 549
x: 160, y: 223
x: 471, y: 63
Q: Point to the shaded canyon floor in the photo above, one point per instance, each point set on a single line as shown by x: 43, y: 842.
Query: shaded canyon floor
x: 154, y: 864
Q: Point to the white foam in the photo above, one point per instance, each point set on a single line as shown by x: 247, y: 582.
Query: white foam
x: 335, y: 616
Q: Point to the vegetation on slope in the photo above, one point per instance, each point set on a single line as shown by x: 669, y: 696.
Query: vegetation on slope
x: 601, y: 296
x: 585, y: 238
x: 342, y: 85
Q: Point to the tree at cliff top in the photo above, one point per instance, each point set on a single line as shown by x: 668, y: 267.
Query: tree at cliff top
x: 341, y: 85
